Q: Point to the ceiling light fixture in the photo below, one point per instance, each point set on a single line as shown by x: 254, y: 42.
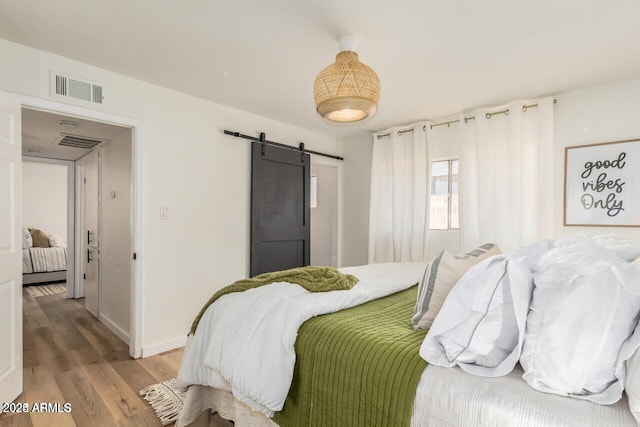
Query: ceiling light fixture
x: 347, y: 90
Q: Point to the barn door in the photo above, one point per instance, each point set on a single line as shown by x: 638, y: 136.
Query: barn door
x: 280, y: 229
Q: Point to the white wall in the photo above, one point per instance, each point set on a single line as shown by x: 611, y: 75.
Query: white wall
x: 590, y: 116
x: 44, y: 204
x: 356, y: 181
x: 190, y: 166
x: 115, y: 242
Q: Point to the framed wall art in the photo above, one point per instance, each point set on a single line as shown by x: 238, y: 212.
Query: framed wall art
x: 602, y: 184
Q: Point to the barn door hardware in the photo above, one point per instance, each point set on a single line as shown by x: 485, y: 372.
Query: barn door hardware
x: 262, y: 140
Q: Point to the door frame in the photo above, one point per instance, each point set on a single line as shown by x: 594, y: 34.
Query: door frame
x: 137, y: 237
x: 71, y: 217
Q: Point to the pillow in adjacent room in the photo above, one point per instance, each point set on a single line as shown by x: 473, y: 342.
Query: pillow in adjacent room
x: 440, y: 276
x: 56, y: 241
x: 27, y: 240
x: 40, y: 238
x: 482, y: 323
x: 582, y: 316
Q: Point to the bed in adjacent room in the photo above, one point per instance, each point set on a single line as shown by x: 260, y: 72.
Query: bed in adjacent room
x: 44, y: 257
x: 278, y: 355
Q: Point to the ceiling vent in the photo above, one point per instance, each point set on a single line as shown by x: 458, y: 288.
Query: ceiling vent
x: 77, y: 141
x: 77, y: 88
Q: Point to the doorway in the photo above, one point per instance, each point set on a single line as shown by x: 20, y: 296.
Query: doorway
x: 47, y: 212
x: 108, y: 265
x: 324, y: 215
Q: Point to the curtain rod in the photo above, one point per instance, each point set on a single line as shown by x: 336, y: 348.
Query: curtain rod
x: 400, y: 132
x: 263, y: 140
x: 466, y: 119
x: 488, y: 115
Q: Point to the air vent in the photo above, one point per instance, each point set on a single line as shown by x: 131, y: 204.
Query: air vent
x: 77, y: 88
x: 77, y: 141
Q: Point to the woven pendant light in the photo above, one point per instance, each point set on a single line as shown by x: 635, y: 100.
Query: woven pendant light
x: 348, y: 90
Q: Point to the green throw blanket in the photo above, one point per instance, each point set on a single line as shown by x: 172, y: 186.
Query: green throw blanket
x: 357, y: 367
x: 313, y: 279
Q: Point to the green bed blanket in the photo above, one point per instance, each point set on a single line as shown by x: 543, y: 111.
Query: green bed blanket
x: 357, y: 367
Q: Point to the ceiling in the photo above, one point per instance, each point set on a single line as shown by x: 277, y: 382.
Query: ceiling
x: 434, y: 58
x: 41, y: 132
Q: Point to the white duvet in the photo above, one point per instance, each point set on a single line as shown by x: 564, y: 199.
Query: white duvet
x: 245, y: 341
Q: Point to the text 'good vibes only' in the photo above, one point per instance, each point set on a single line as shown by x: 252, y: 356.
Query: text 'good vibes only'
x: 602, y: 191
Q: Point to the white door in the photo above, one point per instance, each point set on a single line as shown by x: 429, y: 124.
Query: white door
x: 10, y: 249
x: 91, y: 235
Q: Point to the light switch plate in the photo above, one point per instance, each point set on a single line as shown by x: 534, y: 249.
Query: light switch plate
x: 164, y: 212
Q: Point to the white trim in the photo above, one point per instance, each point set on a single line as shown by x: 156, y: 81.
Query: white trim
x: 339, y: 197
x: 121, y: 333
x: 163, y: 346
x: 137, y: 279
x: 71, y: 231
x: 99, y: 232
x: 79, y: 225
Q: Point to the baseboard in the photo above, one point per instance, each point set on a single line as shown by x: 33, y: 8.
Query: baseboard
x: 121, y: 333
x: 150, y: 350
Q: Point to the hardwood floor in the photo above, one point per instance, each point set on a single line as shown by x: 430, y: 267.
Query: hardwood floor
x: 70, y: 357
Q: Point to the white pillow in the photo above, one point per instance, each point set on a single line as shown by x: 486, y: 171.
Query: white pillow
x: 481, y: 324
x: 632, y: 383
x: 442, y: 273
x: 581, y: 314
x: 529, y: 254
x: 55, y: 241
x: 623, y: 247
x: 27, y: 240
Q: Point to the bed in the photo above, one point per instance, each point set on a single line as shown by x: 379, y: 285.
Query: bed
x: 436, y: 396
x: 42, y: 263
x: 446, y: 397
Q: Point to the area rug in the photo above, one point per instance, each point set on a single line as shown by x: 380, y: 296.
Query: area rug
x: 166, y: 398
x: 45, y: 290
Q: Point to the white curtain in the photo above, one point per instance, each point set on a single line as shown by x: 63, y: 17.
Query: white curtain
x: 400, y: 191
x: 506, y: 175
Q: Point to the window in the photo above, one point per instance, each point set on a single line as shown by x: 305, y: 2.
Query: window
x: 444, y: 195
x: 313, y: 193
